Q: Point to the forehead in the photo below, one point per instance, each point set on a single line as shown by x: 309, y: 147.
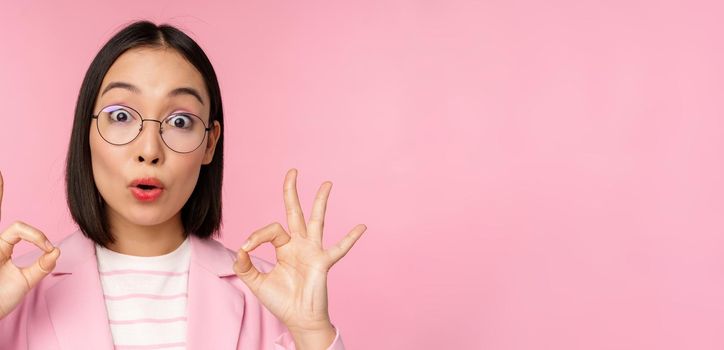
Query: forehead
x: 155, y: 72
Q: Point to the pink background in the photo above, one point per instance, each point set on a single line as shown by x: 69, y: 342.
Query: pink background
x: 533, y: 175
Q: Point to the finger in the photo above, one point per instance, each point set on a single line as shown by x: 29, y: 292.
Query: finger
x: 246, y: 271
x: 243, y: 267
x: 41, y: 268
x: 295, y: 217
x: 340, y: 249
x: 316, y: 220
x: 21, y: 231
x: 273, y: 233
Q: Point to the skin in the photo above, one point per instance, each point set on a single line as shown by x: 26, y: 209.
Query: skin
x: 143, y: 228
x: 295, y: 290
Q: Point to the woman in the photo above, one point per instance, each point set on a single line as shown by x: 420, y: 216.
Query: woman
x: 143, y: 270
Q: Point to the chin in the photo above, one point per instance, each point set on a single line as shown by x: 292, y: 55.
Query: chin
x: 143, y: 216
x: 146, y: 217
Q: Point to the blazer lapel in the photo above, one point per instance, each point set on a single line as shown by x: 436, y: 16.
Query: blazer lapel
x: 77, y: 309
x: 76, y: 306
x: 215, y: 306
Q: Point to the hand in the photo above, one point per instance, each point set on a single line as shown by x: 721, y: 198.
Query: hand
x: 16, y: 282
x: 295, y: 290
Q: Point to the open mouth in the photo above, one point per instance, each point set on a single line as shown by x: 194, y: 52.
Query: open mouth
x: 146, y: 193
x: 147, y: 189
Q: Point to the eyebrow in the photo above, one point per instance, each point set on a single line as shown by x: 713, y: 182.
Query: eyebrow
x: 132, y: 88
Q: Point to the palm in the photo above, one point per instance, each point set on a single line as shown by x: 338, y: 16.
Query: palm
x: 297, y: 282
x: 295, y: 290
x: 15, y: 286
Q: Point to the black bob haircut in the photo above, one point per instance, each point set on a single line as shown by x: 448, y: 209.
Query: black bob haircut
x: 201, y: 214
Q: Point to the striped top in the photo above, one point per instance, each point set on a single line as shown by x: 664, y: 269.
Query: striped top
x: 146, y: 297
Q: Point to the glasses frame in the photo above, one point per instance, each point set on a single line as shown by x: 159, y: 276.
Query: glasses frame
x: 160, y: 127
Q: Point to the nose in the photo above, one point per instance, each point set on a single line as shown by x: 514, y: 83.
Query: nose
x: 149, y: 143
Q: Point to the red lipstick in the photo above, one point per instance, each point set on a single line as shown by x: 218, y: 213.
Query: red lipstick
x: 146, y: 189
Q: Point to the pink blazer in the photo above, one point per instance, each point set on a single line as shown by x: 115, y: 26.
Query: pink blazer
x: 66, y: 310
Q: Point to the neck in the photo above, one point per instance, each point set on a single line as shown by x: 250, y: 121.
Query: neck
x: 139, y: 240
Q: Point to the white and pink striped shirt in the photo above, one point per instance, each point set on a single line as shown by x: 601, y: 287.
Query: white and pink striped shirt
x: 146, y: 297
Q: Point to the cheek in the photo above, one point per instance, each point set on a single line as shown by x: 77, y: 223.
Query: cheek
x: 104, y: 162
x: 186, y: 171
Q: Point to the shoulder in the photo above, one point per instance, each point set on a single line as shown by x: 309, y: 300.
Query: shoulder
x: 220, y: 258
x: 215, y: 257
x: 70, y: 243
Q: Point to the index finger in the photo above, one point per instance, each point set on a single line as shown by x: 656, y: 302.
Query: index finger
x: 295, y: 217
x: 21, y: 231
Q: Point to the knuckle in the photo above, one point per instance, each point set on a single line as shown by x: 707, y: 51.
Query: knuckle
x: 17, y: 225
x: 244, y: 269
x: 26, y: 228
x: 257, y: 232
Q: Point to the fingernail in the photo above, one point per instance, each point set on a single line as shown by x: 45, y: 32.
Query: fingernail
x: 49, y: 245
x: 246, y: 246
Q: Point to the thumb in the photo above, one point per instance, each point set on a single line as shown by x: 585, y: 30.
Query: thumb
x: 42, y: 267
x: 246, y: 271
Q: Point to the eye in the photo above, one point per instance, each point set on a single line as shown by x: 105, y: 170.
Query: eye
x: 120, y: 115
x: 180, y: 121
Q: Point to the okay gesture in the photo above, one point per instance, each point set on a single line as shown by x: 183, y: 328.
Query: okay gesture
x: 295, y: 290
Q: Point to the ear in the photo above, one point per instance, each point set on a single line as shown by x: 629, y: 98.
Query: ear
x: 214, y: 134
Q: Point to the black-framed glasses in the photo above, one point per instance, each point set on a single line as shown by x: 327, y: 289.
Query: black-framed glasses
x: 182, y: 132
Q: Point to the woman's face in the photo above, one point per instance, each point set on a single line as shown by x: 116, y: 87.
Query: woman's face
x: 150, y: 78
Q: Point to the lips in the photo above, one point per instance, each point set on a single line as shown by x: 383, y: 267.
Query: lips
x: 146, y: 189
x: 147, y: 183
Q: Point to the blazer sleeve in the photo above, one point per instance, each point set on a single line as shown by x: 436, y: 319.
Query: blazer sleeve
x: 14, y: 326
x: 12, y: 329
x: 286, y: 342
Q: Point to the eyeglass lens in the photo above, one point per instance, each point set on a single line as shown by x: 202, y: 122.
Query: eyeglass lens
x: 181, y: 132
